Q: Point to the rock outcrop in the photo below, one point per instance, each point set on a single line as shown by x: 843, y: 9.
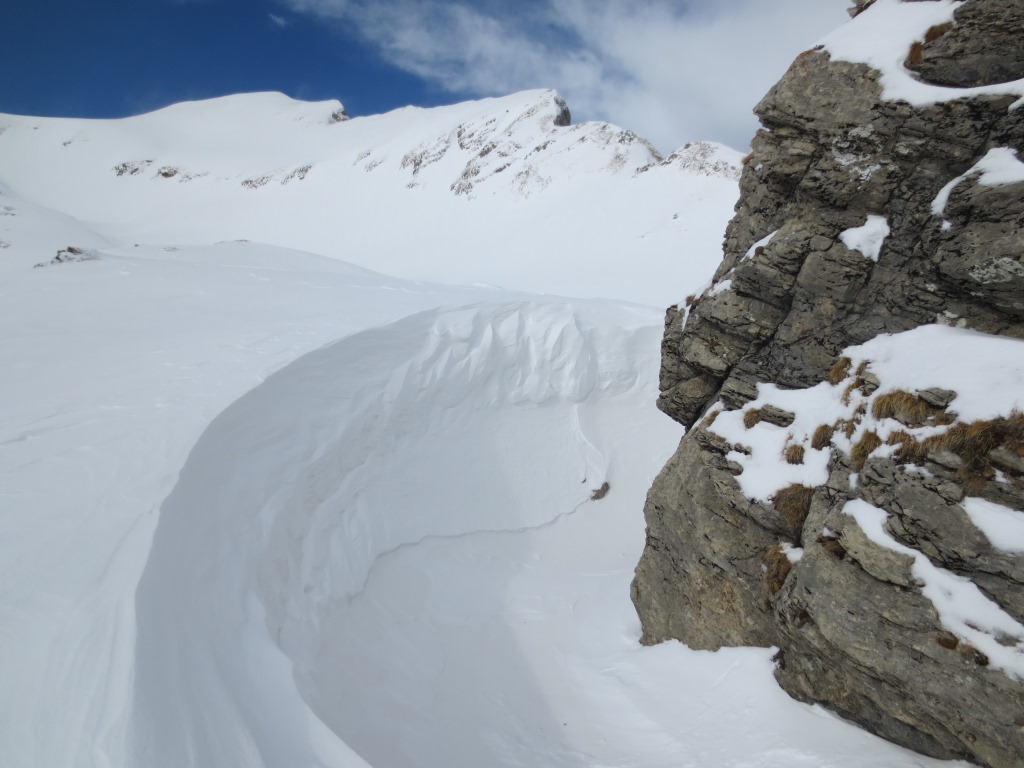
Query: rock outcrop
x: 861, y: 214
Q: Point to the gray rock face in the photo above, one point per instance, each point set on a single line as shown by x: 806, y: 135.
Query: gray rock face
x: 854, y: 630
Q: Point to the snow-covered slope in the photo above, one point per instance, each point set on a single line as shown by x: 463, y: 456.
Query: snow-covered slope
x: 261, y: 506
x: 523, y: 199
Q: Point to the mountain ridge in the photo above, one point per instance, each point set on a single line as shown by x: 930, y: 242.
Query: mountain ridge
x: 276, y: 170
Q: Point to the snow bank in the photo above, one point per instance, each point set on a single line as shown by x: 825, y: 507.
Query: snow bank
x: 116, y: 366
x: 422, y: 430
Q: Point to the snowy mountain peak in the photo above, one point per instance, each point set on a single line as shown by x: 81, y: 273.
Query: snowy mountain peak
x: 706, y: 158
x: 505, y: 182
x: 260, y: 107
x: 529, y: 139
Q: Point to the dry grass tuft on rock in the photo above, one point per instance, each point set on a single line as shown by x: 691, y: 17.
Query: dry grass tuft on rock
x: 839, y: 370
x: 910, y: 451
x: 908, y: 409
x: 795, y: 454
x: 936, y: 31
x: 822, y: 437
x: 793, y: 503
x: 777, y: 568
x: 947, y: 640
x: 864, y: 448
x: 914, y: 56
x: 864, y: 382
x: 752, y: 417
x: 710, y: 418
x: 849, y: 426
x: 832, y: 545
x: 973, y: 444
x: 972, y: 654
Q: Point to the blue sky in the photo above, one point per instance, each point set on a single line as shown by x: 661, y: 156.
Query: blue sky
x: 671, y: 70
x: 110, y: 58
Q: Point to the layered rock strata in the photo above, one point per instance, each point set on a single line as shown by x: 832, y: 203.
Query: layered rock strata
x: 860, y: 214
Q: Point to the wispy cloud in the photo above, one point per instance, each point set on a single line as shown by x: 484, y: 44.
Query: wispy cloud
x: 279, y: 21
x: 671, y: 71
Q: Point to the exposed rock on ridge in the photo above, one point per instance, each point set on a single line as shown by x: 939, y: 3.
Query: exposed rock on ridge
x: 794, y: 291
x: 980, y: 49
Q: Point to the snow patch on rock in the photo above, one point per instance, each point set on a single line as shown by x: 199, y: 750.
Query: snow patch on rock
x: 868, y: 238
x: 881, y: 37
x: 963, y: 608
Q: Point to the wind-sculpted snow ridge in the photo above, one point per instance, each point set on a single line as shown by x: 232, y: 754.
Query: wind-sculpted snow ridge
x: 115, y: 366
x: 425, y: 428
x: 499, y: 188
x: 414, y: 546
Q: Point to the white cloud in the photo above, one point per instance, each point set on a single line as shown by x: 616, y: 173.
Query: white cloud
x: 673, y: 71
x: 327, y: 8
x: 279, y: 21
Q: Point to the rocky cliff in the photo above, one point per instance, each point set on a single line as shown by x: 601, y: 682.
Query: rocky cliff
x: 851, y: 486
